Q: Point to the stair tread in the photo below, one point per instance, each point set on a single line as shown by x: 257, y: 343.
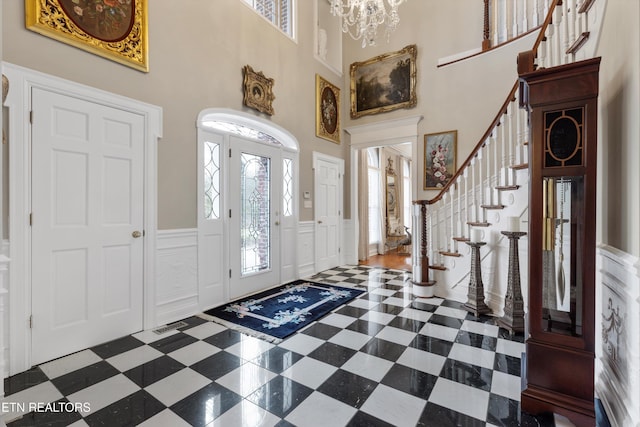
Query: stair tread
x: 461, y: 239
x: 507, y: 187
x: 479, y: 224
x: 520, y: 166
x: 453, y: 254
x: 495, y: 207
x: 438, y: 267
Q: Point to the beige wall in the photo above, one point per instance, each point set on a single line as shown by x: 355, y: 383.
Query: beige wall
x: 464, y: 96
x: 197, y: 51
x: 619, y: 127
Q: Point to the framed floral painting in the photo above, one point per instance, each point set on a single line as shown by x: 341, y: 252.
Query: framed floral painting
x: 327, y: 110
x: 439, y: 159
x: 114, y: 29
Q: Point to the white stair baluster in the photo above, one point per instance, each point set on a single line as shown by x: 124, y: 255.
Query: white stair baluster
x: 474, y: 196
x: 450, y: 242
x: 483, y: 194
x: 459, y: 232
x: 535, y: 18
x: 514, y: 28
x: 557, y: 23
x: 466, y: 202
x: 525, y: 14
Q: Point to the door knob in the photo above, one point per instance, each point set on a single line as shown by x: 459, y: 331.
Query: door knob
x: 319, y: 222
x: 136, y: 234
x: 277, y: 222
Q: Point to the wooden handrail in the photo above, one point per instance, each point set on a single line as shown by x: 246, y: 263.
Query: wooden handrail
x: 496, y: 120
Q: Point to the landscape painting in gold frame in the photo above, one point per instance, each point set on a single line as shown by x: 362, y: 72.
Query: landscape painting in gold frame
x: 327, y: 110
x: 384, y: 83
x: 114, y: 29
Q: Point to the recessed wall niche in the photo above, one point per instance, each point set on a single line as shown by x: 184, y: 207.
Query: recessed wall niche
x: 328, y: 37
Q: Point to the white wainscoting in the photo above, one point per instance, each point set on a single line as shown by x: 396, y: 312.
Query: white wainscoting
x: 306, y: 242
x: 349, y: 252
x: 617, y: 335
x: 4, y: 314
x: 176, y: 275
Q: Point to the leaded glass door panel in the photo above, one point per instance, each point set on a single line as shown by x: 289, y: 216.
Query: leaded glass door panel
x: 255, y: 181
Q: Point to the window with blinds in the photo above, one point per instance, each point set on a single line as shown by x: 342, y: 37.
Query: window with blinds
x: 278, y: 12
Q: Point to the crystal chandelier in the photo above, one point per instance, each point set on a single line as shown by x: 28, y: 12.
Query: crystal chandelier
x: 360, y: 18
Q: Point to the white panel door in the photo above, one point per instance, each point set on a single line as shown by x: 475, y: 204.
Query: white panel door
x: 255, y: 178
x: 87, y: 207
x: 327, y: 212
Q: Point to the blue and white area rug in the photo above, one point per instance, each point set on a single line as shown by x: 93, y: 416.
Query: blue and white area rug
x: 277, y: 313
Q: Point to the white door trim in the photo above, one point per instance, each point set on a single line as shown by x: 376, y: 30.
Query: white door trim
x: 22, y: 80
x: 383, y: 133
x: 316, y: 156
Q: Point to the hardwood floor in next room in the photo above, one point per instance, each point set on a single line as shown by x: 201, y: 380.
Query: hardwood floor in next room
x: 393, y: 260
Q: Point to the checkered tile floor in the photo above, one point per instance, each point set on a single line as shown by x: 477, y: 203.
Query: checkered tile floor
x: 384, y: 359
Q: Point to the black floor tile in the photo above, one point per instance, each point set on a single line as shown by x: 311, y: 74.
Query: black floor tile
x: 503, y: 412
x: 173, y: 342
x: 277, y: 359
x: 507, y: 364
x: 435, y: 415
x: 349, y: 310
x: 333, y: 354
x: 217, y: 365
x: 388, y: 309
x: 153, y: 371
x: 224, y: 339
x: 450, y: 322
x: 407, y: 324
x: 321, y: 330
x: 418, y: 305
x: 129, y: 411
x: 477, y: 340
x: 62, y: 413
x: 115, y: 347
x: 411, y: 381
x: 192, y: 322
x: 24, y: 380
x: 206, y: 404
x: 362, y: 419
x: 384, y: 349
x: 468, y: 374
x: 280, y: 396
x: 366, y: 327
x: 432, y: 345
x: 348, y: 388
x: 84, y: 377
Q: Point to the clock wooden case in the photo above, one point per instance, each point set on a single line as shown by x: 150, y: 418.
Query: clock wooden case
x: 562, y: 105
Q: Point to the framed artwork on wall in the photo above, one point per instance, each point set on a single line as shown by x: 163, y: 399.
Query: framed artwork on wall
x: 384, y: 83
x: 114, y: 29
x: 327, y: 110
x: 258, y: 91
x: 439, y: 159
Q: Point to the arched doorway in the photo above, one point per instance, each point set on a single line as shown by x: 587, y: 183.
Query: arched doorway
x: 247, y: 205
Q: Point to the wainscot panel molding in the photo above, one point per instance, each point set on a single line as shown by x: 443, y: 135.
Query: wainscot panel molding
x: 4, y: 330
x: 177, y: 275
x: 617, y: 345
x: 349, y: 253
x: 306, y: 242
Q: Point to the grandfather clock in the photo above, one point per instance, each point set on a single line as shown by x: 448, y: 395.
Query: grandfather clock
x: 562, y: 103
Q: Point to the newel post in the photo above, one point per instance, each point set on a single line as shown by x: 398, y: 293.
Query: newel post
x: 486, y: 41
x: 422, y: 286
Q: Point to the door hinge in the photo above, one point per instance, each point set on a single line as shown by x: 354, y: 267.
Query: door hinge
x: 229, y: 152
x: 229, y: 213
x: 31, y: 322
x: 31, y: 116
x: 30, y: 219
x: 229, y: 273
x: 338, y: 250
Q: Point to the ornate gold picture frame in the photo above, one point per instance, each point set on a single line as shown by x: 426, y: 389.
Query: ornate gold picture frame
x: 327, y: 110
x: 384, y: 83
x: 439, y: 159
x: 114, y: 29
x: 258, y: 91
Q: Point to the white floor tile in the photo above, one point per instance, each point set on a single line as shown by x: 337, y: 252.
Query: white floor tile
x: 473, y: 355
x: 205, y: 330
x: 166, y: 418
x: 383, y: 292
x: 246, y: 379
x: 412, y: 313
x: 132, y: 358
x: 338, y: 320
x: 73, y: 362
x: 506, y: 385
x: 510, y: 348
x: 350, y: 339
x: 83, y: 423
x: 422, y: 361
x: 399, y: 302
x: 393, y: 406
x: 320, y: 410
x: 461, y: 398
x: 561, y: 421
x: 439, y: 331
x: 105, y: 393
x: 310, y: 372
x: 246, y: 413
x: 192, y: 353
x: 432, y: 301
x: 368, y: 366
x: 177, y: 386
x: 480, y: 328
x: 398, y: 336
x: 363, y: 303
x: 149, y: 336
x: 17, y: 404
x: 301, y: 343
x: 249, y: 348
x: 451, y: 312
x: 377, y: 317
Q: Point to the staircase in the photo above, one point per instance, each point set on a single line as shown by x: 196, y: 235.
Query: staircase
x: 489, y: 192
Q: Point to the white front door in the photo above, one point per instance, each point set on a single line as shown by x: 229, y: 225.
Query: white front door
x: 328, y: 181
x: 87, y: 219
x: 255, y: 176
